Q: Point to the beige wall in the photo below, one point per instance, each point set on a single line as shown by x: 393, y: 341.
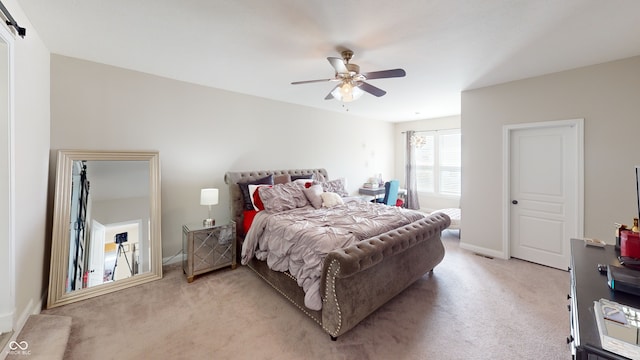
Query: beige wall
x: 428, y: 202
x: 31, y: 156
x: 605, y: 95
x: 202, y: 132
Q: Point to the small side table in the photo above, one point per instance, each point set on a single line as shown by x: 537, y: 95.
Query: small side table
x: 206, y: 249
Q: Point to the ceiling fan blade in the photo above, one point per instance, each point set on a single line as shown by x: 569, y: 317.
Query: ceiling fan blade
x: 338, y: 64
x: 310, y: 81
x: 371, y: 89
x: 385, y: 74
x: 330, y: 95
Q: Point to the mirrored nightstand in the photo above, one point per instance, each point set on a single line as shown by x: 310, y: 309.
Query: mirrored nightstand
x: 206, y: 249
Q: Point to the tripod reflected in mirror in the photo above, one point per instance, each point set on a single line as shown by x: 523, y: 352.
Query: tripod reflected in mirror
x: 120, y: 239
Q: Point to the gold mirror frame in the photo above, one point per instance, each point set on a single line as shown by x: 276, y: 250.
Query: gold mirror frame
x: 61, y: 219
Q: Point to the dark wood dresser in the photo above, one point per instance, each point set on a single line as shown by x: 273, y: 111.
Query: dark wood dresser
x: 587, y: 286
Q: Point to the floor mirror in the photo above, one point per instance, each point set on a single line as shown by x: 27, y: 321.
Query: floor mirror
x: 106, y: 224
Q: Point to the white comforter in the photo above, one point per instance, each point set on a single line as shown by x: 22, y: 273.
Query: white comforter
x: 299, y: 240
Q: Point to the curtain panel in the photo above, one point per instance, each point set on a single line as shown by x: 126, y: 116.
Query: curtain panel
x: 410, y: 173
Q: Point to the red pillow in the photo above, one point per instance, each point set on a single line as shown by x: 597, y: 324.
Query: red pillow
x: 248, y: 219
x: 256, y: 201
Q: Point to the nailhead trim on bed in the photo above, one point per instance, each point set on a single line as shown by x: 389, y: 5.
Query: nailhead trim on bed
x: 287, y: 296
x: 291, y: 276
x: 331, y: 284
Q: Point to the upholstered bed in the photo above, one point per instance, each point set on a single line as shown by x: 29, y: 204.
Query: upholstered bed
x: 357, y: 279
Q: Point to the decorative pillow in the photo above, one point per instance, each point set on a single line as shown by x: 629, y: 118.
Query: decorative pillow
x: 281, y: 179
x: 313, y: 195
x: 331, y: 199
x: 283, y: 197
x: 255, y: 196
x: 337, y: 186
x: 248, y: 219
x: 244, y: 189
x: 304, y: 182
x: 305, y: 177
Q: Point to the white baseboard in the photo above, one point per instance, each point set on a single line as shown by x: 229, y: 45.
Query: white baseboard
x: 483, y: 251
x: 31, y: 309
x: 6, y: 321
x: 172, y: 259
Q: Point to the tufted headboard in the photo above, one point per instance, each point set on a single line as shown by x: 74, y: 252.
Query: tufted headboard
x: 232, y: 178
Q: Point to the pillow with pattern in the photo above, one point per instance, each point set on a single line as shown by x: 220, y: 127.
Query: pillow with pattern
x: 283, y: 197
x: 244, y: 189
x: 256, y: 201
x: 338, y: 186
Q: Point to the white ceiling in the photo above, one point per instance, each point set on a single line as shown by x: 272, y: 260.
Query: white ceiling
x: 259, y: 47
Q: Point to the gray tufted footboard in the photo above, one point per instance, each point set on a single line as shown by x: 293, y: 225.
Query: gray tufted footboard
x: 358, y: 279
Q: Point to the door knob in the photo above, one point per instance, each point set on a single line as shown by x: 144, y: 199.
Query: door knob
x: 514, y: 202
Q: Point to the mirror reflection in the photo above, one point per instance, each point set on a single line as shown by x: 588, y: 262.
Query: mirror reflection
x: 109, y: 232
x: 106, y: 224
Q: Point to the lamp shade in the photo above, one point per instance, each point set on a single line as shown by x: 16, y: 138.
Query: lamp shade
x: 208, y: 196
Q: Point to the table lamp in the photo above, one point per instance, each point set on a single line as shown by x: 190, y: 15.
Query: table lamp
x: 209, y: 197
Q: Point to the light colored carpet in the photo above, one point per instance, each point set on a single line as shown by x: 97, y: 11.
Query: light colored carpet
x: 43, y: 337
x: 4, y: 342
x: 471, y: 307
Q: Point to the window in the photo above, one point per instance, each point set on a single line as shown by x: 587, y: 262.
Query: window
x: 438, y: 167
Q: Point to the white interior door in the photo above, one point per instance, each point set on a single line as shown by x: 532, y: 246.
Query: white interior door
x: 545, y: 182
x: 96, y: 261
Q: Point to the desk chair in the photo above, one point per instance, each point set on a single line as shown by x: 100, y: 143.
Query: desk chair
x: 391, y: 188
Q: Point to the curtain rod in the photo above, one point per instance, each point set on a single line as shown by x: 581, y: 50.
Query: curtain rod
x: 12, y: 22
x: 404, y: 132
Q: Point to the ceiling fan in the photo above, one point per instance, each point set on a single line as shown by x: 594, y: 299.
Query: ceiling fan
x: 352, y: 83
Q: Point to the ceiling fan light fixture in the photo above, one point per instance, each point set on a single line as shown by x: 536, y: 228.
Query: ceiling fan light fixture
x: 352, y: 83
x: 347, y: 92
